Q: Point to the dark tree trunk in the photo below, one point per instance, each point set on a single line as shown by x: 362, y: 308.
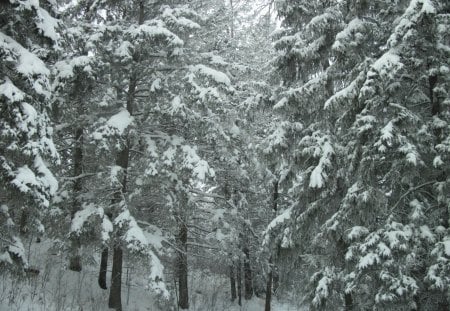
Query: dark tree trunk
x: 248, y: 280
x: 183, y: 301
x: 75, y: 256
x: 239, y: 282
x: 269, y: 287
x: 75, y: 244
x: 435, y: 106
x: 232, y: 283
x: 348, y: 302
x: 103, y: 269
x: 23, y: 221
x: 115, y: 294
x: 341, y: 250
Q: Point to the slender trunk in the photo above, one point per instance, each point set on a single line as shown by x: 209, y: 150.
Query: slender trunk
x: 269, y: 287
x: 348, y: 300
x: 122, y: 160
x: 115, y: 299
x: 270, y: 275
x: 232, y: 283
x: 75, y: 244
x: 232, y: 20
x: 183, y: 301
x: 75, y: 256
x: 239, y: 282
x: 23, y: 221
x: 342, y: 249
x: 115, y: 294
x: 103, y: 269
x: 435, y: 106
x: 248, y: 280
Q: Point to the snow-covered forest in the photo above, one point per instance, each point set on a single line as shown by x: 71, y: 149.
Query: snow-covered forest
x: 224, y: 155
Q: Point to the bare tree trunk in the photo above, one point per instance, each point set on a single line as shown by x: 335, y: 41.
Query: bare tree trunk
x: 232, y: 283
x: 270, y: 276
x: 115, y: 294
x: 239, y: 282
x: 269, y: 287
x: 75, y: 245
x: 232, y: 20
x: 248, y: 280
x: 348, y: 302
x: 103, y: 269
x: 434, y: 102
x: 115, y: 300
x: 23, y: 221
x: 183, y: 301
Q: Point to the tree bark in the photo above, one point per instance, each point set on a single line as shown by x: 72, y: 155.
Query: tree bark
x: 75, y: 244
x: 103, y: 269
x: 348, y: 302
x: 115, y: 294
x: 269, y: 287
x: 435, y: 106
x: 232, y: 283
x: 248, y: 280
x: 239, y: 282
x: 183, y: 301
x: 23, y: 221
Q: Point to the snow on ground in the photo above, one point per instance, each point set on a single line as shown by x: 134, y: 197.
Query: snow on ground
x: 56, y: 288
x: 59, y: 289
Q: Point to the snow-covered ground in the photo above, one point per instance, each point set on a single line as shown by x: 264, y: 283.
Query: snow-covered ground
x: 57, y: 288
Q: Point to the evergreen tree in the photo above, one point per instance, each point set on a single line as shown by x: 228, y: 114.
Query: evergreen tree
x: 28, y: 33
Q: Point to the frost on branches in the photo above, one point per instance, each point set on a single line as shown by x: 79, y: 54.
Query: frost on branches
x: 25, y: 131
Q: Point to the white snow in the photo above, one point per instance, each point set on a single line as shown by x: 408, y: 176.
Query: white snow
x: 45, y: 176
x: 285, y: 215
x: 216, y: 75
x: 120, y: 121
x: 388, y: 64
x: 446, y: 243
x: 357, y: 232
x: 28, y: 63
x: 25, y: 179
x: 123, y: 51
x: 387, y: 133
x: 134, y: 236
x: 47, y: 24
x: 176, y: 106
x: 9, y: 90
x: 156, y: 85
x: 368, y: 260
x: 319, y: 176
x: 158, y: 29
x: 82, y: 216
x: 281, y: 103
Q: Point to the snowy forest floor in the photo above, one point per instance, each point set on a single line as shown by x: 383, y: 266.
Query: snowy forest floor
x: 57, y: 288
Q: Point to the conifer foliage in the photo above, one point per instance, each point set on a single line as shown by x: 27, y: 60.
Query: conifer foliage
x: 28, y: 34
x: 366, y: 81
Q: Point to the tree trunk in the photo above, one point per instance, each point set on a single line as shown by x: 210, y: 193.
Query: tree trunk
x: 232, y: 283
x: 103, y: 269
x: 239, y: 282
x: 269, y: 287
x: 75, y: 244
x: 75, y: 256
x: 23, y: 221
x: 434, y: 102
x: 115, y: 294
x: 248, y: 280
x: 183, y: 301
x: 348, y: 302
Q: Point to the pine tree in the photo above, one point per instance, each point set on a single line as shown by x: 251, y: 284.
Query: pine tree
x: 28, y: 33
